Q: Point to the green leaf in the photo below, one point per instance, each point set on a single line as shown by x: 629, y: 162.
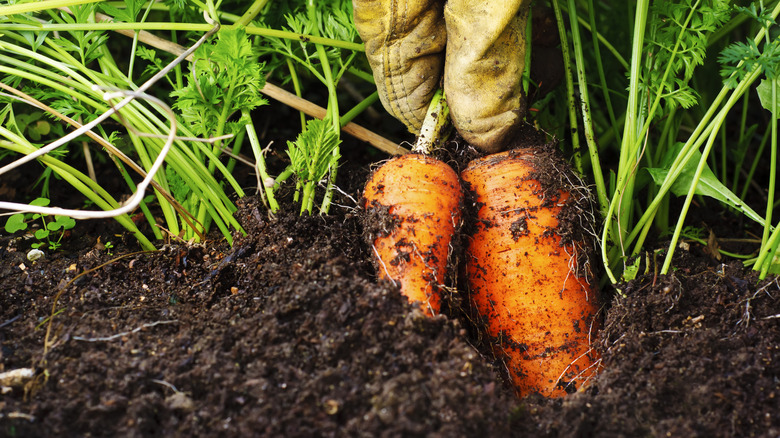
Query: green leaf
x: 178, y: 187
x: 312, y: 152
x: 116, y: 13
x: 764, y: 91
x: 678, y: 45
x: 147, y: 54
x: 23, y: 121
x: 15, y: 223
x: 225, y: 78
x: 232, y: 48
x: 40, y: 202
x: 774, y: 267
x: 128, y: 14
x: 34, y: 39
x: 632, y: 269
x: 708, y: 185
x: 41, y: 234
x: 61, y: 222
x: 38, y: 129
x: 741, y: 58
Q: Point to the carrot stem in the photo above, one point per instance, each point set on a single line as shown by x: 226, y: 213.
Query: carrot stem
x: 433, y: 132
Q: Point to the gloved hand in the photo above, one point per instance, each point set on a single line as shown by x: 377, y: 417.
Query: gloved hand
x: 484, y: 41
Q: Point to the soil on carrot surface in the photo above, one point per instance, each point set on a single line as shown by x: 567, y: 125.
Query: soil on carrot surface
x: 289, y: 333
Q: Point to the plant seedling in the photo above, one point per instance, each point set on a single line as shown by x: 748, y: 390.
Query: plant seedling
x: 52, y: 231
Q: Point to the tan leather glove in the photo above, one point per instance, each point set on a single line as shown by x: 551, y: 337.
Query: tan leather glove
x: 485, y: 56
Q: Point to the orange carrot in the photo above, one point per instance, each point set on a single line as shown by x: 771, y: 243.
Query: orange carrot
x: 420, y: 199
x: 539, y: 309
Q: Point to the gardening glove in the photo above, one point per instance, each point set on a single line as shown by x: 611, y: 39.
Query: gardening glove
x: 485, y: 57
x: 404, y: 42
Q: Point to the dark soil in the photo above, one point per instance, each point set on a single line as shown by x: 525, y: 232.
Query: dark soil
x: 288, y: 333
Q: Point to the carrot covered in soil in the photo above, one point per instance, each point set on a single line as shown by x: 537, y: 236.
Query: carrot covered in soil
x: 413, y: 204
x: 418, y: 202
x: 530, y: 289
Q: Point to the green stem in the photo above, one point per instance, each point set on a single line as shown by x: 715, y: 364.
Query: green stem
x: 62, y: 85
x: 772, y: 166
x: 297, y: 88
x: 756, y: 162
x: 571, y: 98
x: 182, y: 158
x: 741, y: 142
x: 135, y: 42
x: 358, y: 109
x: 600, y: 68
x: 612, y: 235
x: 361, y: 74
x: 262, y: 170
x: 238, y: 142
x: 724, y: 157
x: 171, y: 220
x: 607, y: 45
x: 282, y: 177
x: 667, y: 72
x: 768, y: 249
x: 711, y: 133
x: 699, y: 135
x: 252, y: 12
x: 725, y: 253
x: 691, y: 192
x: 144, y: 208
x: 211, y: 9
x: 332, y: 111
x: 768, y: 254
x: 227, y: 106
x: 590, y: 137
x: 41, y: 5
x: 79, y: 181
x: 111, y: 70
x: 178, y: 74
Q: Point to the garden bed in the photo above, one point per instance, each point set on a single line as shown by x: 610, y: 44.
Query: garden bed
x: 275, y: 324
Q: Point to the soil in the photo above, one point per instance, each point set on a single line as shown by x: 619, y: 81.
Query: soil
x: 289, y: 333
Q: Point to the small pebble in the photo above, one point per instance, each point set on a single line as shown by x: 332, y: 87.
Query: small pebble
x: 34, y: 254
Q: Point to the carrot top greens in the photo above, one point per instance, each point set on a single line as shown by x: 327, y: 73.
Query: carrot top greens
x: 669, y: 130
x: 58, y: 57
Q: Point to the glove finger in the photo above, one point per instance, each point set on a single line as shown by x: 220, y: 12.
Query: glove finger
x: 404, y: 42
x: 484, y: 68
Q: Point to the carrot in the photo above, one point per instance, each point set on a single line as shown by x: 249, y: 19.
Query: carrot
x: 420, y: 198
x: 539, y: 309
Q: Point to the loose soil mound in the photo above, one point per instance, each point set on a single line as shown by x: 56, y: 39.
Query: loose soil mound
x: 288, y: 333
x: 282, y: 335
